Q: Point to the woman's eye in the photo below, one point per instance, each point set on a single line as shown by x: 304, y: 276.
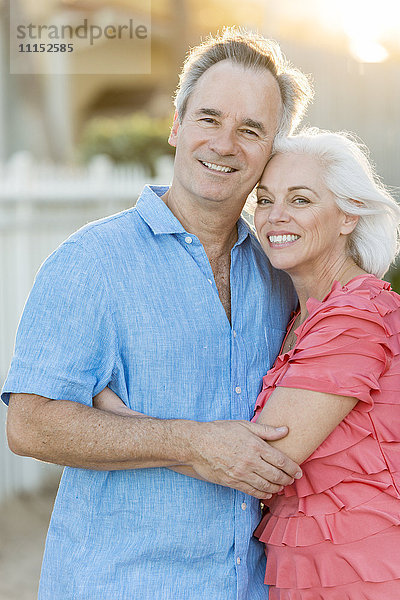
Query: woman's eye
x: 300, y: 200
x: 263, y: 201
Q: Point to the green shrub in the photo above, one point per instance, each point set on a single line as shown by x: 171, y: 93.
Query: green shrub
x: 135, y: 139
x: 393, y: 275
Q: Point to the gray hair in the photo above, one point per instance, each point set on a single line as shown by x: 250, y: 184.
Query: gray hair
x: 350, y: 176
x: 252, y: 51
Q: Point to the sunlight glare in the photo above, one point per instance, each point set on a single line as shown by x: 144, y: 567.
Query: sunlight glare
x: 367, y: 24
x: 368, y: 50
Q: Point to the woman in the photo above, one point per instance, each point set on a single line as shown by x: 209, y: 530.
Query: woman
x: 323, y: 218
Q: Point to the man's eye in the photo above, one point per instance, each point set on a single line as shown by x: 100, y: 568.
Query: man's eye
x: 208, y: 120
x: 250, y: 132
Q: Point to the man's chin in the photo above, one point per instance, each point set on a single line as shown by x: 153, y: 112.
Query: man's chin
x: 223, y: 194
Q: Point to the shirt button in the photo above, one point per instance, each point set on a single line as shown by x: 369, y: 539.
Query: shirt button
x: 244, y: 506
x: 238, y: 390
x: 209, y: 281
x: 234, y: 333
x: 188, y: 240
x: 238, y: 561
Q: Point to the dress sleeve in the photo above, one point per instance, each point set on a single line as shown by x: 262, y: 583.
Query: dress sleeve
x: 66, y: 341
x: 341, y: 349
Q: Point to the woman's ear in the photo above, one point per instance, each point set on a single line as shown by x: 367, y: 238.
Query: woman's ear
x: 349, y: 223
x: 174, y: 131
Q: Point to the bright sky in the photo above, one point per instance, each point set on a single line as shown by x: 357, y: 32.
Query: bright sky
x: 371, y: 27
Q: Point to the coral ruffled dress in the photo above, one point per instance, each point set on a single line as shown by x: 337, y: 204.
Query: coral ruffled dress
x: 335, y: 533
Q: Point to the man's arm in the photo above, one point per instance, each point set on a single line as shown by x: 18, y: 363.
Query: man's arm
x: 109, y: 401
x: 230, y: 453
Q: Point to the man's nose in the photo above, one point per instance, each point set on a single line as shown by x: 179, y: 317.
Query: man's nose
x: 223, y: 142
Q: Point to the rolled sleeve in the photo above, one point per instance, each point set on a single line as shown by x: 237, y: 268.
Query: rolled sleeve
x: 66, y: 340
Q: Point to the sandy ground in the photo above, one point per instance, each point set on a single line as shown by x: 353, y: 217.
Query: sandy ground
x: 23, y: 526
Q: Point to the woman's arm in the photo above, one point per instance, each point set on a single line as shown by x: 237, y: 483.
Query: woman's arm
x: 311, y: 417
x: 109, y: 401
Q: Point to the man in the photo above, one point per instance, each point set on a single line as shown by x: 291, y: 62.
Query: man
x: 174, y: 306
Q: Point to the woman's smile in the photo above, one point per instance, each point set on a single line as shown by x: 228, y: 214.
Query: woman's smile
x: 282, y: 239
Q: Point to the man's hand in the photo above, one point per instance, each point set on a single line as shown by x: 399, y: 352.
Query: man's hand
x: 236, y: 454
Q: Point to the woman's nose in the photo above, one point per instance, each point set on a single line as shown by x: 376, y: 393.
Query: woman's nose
x: 278, y: 213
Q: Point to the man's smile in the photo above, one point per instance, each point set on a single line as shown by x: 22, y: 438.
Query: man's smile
x: 219, y: 168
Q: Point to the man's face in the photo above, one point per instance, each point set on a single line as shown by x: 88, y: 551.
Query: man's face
x: 226, y: 135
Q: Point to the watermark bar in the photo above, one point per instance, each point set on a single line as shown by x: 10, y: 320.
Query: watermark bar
x: 101, y: 41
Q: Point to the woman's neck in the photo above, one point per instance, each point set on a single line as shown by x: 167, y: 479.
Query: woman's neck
x: 318, y: 284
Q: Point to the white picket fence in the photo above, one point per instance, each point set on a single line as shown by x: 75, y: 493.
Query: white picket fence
x: 40, y: 205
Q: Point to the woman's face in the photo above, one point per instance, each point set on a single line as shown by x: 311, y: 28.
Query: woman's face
x: 299, y: 225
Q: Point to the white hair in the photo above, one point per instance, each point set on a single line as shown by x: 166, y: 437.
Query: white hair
x: 349, y: 175
x: 251, y: 51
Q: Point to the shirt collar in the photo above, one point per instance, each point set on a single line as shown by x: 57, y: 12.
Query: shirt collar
x: 160, y: 219
x: 244, y: 231
x: 155, y: 212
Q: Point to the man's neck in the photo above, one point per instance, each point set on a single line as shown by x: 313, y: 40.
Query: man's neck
x: 214, y: 226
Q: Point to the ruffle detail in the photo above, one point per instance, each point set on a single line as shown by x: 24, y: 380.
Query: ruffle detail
x: 360, y: 590
x: 320, y: 566
x: 342, y: 496
x: 362, y: 461
x: 339, y: 525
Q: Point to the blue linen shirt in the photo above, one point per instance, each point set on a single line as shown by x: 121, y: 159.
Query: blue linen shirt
x: 130, y: 301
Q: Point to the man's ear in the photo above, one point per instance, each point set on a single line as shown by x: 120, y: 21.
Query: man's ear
x: 174, y: 131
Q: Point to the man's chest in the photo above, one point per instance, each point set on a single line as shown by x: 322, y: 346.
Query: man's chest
x: 182, y: 310
x: 175, y: 341
x: 221, y: 271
